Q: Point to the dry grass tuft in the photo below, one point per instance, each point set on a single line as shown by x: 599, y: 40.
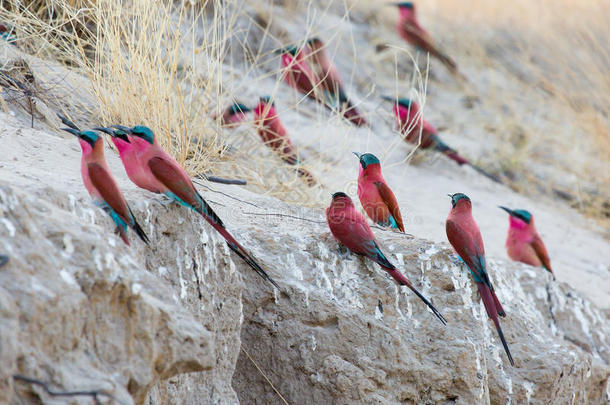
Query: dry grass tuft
x: 536, y: 68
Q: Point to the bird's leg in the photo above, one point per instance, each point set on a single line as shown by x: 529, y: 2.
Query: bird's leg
x: 456, y: 259
x: 163, y: 201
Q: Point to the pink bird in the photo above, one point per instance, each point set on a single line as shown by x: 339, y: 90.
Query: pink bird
x: 330, y: 81
x: 411, y: 31
x: 274, y: 135
x: 125, y: 145
x: 100, y: 184
x: 465, y: 237
x: 233, y: 115
x: 523, y: 243
x: 375, y: 195
x: 298, y: 74
x: 411, y: 123
x: 349, y: 227
x: 164, y: 175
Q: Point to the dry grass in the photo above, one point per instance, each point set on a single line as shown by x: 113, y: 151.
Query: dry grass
x: 172, y: 64
x: 558, y: 57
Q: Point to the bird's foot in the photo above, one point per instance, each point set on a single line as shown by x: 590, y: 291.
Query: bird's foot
x: 457, y: 260
x: 344, y: 253
x: 163, y: 201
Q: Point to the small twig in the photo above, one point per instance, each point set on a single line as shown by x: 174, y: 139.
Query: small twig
x: 225, y: 194
x: 93, y: 393
x: 264, y: 376
x: 386, y: 229
x: 285, y: 215
x: 222, y: 180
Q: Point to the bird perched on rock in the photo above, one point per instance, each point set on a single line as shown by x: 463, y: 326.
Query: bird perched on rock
x: 234, y: 114
x: 330, y: 81
x: 298, y: 74
x: 162, y: 174
x: 411, y: 123
x: 375, y: 195
x: 411, y: 31
x: 274, y: 135
x: 99, y: 181
x: 523, y: 243
x: 349, y: 227
x: 465, y: 237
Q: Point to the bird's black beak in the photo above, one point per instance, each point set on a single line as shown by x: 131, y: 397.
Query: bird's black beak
x: 450, y: 196
x: 72, y: 131
x: 121, y: 135
x: 123, y: 128
x: 357, y: 154
x: 105, y: 130
x: 66, y: 121
x: 388, y: 98
x: 510, y: 212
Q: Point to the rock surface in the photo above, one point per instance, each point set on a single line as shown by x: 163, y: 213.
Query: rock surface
x: 163, y: 324
x: 172, y: 322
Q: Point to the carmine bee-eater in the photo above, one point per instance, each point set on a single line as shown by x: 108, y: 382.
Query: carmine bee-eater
x: 164, y: 175
x: 330, y: 81
x: 410, y: 122
x: 100, y: 184
x: 465, y: 237
x: 298, y: 74
x: 121, y: 140
x: 523, y: 243
x: 349, y: 227
x: 274, y: 135
x: 375, y: 195
x: 233, y: 115
x: 411, y: 31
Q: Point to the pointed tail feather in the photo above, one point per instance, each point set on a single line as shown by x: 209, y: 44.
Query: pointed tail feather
x: 499, y: 308
x: 311, y: 181
x: 484, y: 173
x: 353, y: 115
x: 445, y: 59
x: 137, y: 228
x: 241, y: 252
x: 448, y: 151
x: 488, y: 300
x: 402, y: 280
x: 123, y: 234
x: 510, y: 357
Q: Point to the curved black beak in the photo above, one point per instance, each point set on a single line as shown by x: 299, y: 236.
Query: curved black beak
x: 123, y: 128
x: 450, y: 195
x: 114, y: 133
x: 105, y: 130
x: 357, y: 154
x: 388, y: 98
x: 510, y: 212
x: 72, y: 131
x: 66, y: 121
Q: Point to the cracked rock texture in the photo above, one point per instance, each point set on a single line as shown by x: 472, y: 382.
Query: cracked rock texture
x: 164, y: 323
